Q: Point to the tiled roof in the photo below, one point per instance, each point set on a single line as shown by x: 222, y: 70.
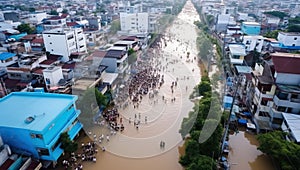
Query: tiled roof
x: 286, y: 63
x: 38, y: 41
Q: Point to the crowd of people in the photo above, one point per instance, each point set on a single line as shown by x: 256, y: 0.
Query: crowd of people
x: 142, y: 83
x: 112, y: 116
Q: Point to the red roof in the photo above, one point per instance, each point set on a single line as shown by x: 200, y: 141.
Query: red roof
x: 98, y: 54
x: 286, y: 63
x: 38, y: 41
x: 10, y: 83
x: 38, y: 71
x: 71, y: 24
x: 64, y: 15
x: 48, y: 62
x: 29, y: 37
x: 69, y: 65
x: 18, y: 69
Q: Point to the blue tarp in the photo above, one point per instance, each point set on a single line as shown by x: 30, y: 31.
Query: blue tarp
x: 242, y: 121
x: 247, y: 114
x: 227, y: 102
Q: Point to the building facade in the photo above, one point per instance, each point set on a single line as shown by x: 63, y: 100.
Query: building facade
x: 35, y: 129
x: 134, y: 22
x: 289, y: 40
x: 251, y: 28
x: 65, y: 41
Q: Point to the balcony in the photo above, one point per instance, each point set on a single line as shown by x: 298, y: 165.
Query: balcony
x: 275, y: 114
x: 292, y: 103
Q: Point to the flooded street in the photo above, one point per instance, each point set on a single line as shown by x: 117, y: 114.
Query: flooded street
x: 244, y: 155
x: 159, y: 116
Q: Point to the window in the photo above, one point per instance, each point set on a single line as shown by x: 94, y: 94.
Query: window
x: 281, y: 109
x: 40, y: 136
x: 295, y: 38
x: 55, y: 145
x: 48, y: 35
x: 50, y: 43
x: 33, y: 135
x: 293, y: 45
x: 71, y: 107
x: 43, y: 151
x: 48, y: 81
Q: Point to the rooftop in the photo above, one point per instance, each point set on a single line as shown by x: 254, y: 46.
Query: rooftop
x: 286, y: 62
x: 6, y: 55
x: 251, y: 23
x: 42, y: 107
x: 243, y: 69
x: 293, y: 122
x: 115, y: 54
x: 290, y: 33
x: 237, y: 49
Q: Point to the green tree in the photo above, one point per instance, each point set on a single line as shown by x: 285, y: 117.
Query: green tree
x: 286, y: 153
x: 278, y: 14
x: 115, y: 26
x: 67, y: 144
x: 210, y: 19
x: 64, y: 11
x: 203, y: 87
x: 272, y: 34
x: 26, y: 28
x: 295, y: 20
x: 32, y: 10
x: 53, y: 12
x: 293, y: 28
x: 202, y: 162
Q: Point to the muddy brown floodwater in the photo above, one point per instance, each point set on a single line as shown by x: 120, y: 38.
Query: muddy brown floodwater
x: 139, y: 149
x: 244, y: 155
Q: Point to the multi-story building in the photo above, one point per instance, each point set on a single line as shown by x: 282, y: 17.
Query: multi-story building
x: 65, y: 41
x: 289, y: 40
x: 37, y: 18
x: 54, y: 22
x: 276, y: 89
x: 7, y: 59
x: 251, y: 28
x: 35, y: 129
x: 287, y: 79
x: 8, y: 25
x: 260, y: 94
x: 116, y: 60
x: 252, y: 43
x: 134, y: 22
x: 237, y: 53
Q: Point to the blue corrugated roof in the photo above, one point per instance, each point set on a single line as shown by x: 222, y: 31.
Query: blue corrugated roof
x: 6, y: 55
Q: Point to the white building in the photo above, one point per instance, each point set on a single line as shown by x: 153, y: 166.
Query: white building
x: 52, y: 75
x: 223, y: 21
x: 36, y: 18
x: 253, y: 42
x: 289, y: 39
x: 7, y: 59
x: 134, y: 22
x: 237, y: 53
x: 54, y: 22
x: 8, y: 25
x: 65, y: 41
